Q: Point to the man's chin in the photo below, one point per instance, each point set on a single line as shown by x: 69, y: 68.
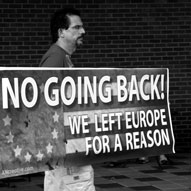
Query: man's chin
x: 79, y: 42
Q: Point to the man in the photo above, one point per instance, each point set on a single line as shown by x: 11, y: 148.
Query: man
x: 67, y: 34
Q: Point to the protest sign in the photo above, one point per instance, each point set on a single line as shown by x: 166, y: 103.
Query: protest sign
x: 116, y: 114
x: 52, y: 117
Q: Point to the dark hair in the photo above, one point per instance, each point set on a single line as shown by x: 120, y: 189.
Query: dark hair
x: 60, y: 19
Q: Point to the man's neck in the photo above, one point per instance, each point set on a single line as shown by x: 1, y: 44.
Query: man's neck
x: 69, y: 49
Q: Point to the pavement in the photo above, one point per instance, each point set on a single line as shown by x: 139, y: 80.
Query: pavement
x: 126, y: 176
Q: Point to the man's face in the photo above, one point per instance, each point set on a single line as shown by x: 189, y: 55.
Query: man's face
x: 75, y: 33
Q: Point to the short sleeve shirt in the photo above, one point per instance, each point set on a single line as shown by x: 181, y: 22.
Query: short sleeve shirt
x: 56, y: 57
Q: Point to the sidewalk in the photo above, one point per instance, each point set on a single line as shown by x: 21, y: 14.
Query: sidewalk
x: 132, y: 177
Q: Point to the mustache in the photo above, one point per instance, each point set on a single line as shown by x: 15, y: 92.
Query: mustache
x: 82, y: 36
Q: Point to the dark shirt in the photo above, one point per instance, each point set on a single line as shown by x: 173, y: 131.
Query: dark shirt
x: 56, y: 57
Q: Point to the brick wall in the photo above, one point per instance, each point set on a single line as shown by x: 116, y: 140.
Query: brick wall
x: 120, y: 33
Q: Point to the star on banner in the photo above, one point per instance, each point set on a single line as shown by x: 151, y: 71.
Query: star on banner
x: 55, y: 134
x: 28, y: 157
x: 7, y: 120
x: 55, y: 117
x: 10, y: 138
x: 39, y: 156
x: 17, y: 151
x: 49, y: 148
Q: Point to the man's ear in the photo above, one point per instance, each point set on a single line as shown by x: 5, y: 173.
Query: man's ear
x: 61, y: 33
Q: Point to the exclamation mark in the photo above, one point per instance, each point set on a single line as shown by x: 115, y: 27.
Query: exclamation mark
x: 162, y: 86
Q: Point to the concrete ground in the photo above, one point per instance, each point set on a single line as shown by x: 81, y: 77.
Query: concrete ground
x: 129, y: 176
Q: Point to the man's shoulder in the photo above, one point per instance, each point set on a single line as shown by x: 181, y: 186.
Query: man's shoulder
x: 54, y: 49
x: 54, y: 56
